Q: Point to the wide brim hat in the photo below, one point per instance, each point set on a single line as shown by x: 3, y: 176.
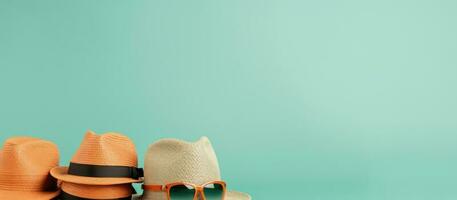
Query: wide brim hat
x: 171, y: 160
x: 105, y: 159
x: 24, y: 169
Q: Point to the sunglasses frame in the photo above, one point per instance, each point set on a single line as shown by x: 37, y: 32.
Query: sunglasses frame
x: 199, y: 189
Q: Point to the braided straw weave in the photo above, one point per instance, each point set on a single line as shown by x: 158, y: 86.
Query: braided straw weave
x: 97, y: 191
x: 24, y: 169
x: 110, y: 149
x: 171, y: 160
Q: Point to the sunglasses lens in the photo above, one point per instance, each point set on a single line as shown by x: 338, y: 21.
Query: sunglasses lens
x: 182, y: 192
x: 214, y: 191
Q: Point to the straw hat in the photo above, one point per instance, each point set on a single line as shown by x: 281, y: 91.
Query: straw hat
x: 80, y: 191
x: 171, y: 160
x: 24, y: 169
x: 105, y: 159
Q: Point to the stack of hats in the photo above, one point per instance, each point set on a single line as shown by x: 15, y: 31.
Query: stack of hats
x: 104, y: 167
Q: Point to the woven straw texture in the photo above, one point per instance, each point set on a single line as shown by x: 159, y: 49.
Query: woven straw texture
x: 171, y: 160
x: 106, y: 149
x: 24, y: 169
x: 98, y: 191
x: 112, y: 149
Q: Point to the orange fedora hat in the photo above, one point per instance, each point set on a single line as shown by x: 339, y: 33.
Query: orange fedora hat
x: 106, y: 159
x: 24, y: 169
x: 74, y: 191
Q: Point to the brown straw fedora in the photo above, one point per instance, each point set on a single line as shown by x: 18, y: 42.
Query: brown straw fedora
x: 106, y: 159
x: 24, y: 169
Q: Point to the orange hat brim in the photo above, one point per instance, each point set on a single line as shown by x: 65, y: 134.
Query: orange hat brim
x: 61, y: 173
x: 21, y: 195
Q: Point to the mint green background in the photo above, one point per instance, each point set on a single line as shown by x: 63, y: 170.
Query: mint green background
x: 301, y: 99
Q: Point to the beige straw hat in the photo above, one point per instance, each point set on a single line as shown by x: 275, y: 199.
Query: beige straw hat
x: 170, y: 160
x: 105, y: 159
x: 24, y: 169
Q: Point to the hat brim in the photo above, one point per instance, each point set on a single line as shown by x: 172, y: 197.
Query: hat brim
x: 21, y: 195
x: 231, y: 195
x: 234, y: 195
x: 61, y: 173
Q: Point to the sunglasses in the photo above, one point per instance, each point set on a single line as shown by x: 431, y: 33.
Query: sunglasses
x: 214, y: 190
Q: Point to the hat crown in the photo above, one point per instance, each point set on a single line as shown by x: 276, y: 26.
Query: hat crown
x: 112, y: 149
x: 171, y: 160
x: 28, y: 156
